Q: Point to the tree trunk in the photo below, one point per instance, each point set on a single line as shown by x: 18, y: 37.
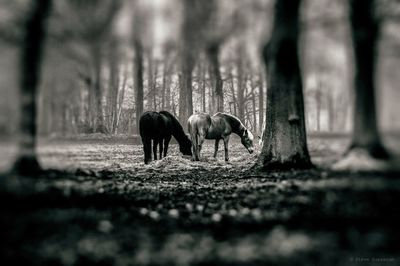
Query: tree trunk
x: 261, y: 103
x: 331, y: 111
x: 164, y: 83
x: 97, y: 90
x: 121, y: 97
x: 318, y: 107
x: 113, y: 87
x: 185, y: 93
x: 285, y: 143
x: 203, y: 87
x: 138, y: 80
x: 215, y: 74
x: 240, y: 88
x: 254, y: 108
x: 30, y: 64
x: 364, y: 33
x: 168, y: 92
x: 154, y: 85
x: 232, y: 87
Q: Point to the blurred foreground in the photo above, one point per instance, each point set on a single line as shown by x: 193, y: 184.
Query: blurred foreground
x: 114, y: 210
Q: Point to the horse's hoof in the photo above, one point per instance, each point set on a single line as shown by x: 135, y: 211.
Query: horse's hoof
x: 226, y: 159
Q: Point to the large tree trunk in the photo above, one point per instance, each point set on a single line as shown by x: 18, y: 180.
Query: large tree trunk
x: 285, y: 144
x: 365, y: 35
x: 138, y: 80
x: 215, y: 74
x: 185, y: 93
x: 31, y: 59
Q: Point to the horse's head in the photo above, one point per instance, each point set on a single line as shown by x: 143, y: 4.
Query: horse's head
x: 186, y: 147
x: 247, y: 140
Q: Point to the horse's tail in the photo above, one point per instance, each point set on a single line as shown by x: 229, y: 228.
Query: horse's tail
x: 192, y: 129
x: 193, y: 132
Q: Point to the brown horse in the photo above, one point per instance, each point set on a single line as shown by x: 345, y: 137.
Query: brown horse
x: 219, y: 126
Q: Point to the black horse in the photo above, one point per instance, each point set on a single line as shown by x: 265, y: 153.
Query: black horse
x: 160, y: 127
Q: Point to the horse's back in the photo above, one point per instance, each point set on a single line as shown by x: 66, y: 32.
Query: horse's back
x: 152, y: 125
x: 199, y: 122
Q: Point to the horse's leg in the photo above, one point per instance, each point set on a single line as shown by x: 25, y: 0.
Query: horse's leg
x: 147, y: 150
x: 166, y: 144
x: 226, y: 141
x: 155, y: 142
x: 216, y: 148
x: 202, y: 136
x: 161, y: 148
x: 194, y: 138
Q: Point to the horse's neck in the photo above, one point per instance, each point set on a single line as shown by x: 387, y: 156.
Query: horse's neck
x: 239, y: 131
x: 178, y: 134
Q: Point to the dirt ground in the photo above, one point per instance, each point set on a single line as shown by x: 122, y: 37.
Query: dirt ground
x: 98, y: 204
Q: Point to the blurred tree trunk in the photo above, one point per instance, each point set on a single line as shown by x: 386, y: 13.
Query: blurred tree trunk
x: 232, y: 87
x: 331, y: 111
x: 364, y: 33
x: 318, y: 106
x: 185, y: 94
x: 164, y: 85
x: 30, y: 66
x: 260, y: 103
x: 254, y: 108
x: 138, y: 80
x: 285, y: 143
x: 113, y: 86
x: 154, y: 84
x: 241, y: 85
x: 213, y: 53
x: 168, y: 91
x: 150, y: 83
x: 121, y: 97
x: 188, y: 60
x: 98, y: 115
x: 203, y: 87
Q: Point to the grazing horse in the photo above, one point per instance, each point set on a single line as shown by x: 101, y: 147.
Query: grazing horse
x: 219, y: 126
x: 160, y: 127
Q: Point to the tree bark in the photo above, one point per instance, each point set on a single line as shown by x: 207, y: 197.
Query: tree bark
x: 318, y: 107
x: 213, y: 52
x: 331, y: 111
x: 97, y: 90
x: 254, y: 108
x: 30, y: 65
x: 138, y: 80
x: 203, y: 87
x: 261, y: 103
x: 113, y: 87
x: 285, y: 144
x: 185, y: 93
x: 241, y: 85
x: 364, y: 34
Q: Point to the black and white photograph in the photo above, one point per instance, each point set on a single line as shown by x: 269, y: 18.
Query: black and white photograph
x: 200, y: 132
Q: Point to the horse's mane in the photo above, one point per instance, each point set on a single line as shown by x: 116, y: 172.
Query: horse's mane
x: 178, y: 131
x: 235, y: 123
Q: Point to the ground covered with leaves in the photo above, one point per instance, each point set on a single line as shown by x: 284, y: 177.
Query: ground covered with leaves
x: 98, y: 204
